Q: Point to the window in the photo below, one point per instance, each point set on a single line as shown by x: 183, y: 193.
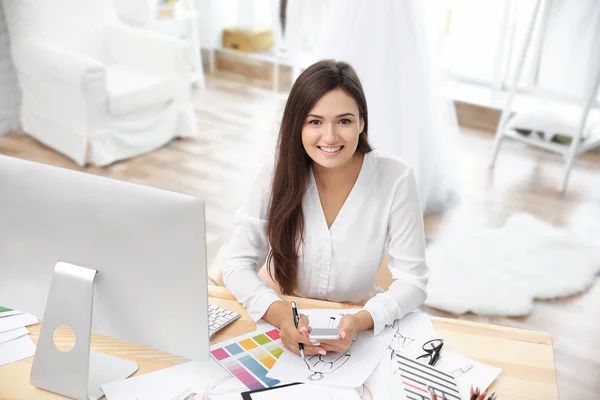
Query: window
x: 480, y: 42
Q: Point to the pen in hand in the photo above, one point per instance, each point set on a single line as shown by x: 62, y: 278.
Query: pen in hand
x: 296, y: 320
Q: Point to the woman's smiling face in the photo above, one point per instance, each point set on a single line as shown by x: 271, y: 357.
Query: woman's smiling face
x: 331, y: 130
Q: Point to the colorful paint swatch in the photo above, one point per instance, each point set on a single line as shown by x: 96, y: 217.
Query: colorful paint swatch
x: 261, y: 339
x: 237, y: 370
x: 248, y: 344
x: 258, y: 370
x: 234, y: 349
x: 263, y: 357
x: 276, y: 351
x: 219, y: 354
x: 274, y: 334
x: 250, y: 357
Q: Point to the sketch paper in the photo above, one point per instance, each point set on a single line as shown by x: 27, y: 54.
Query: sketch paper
x: 16, y: 349
x: 226, y: 396
x: 410, y: 333
x: 348, y: 369
x: 12, y: 334
x: 187, y: 380
x: 17, y: 321
x: 467, y: 372
x: 7, y: 312
x: 312, y: 392
x: 323, y: 318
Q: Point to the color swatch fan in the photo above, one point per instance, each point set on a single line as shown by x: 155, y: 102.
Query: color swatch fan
x: 250, y: 357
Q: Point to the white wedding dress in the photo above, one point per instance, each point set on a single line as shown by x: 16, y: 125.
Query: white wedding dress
x: 570, y: 57
x: 387, y: 43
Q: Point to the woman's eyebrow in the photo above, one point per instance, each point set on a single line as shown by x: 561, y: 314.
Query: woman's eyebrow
x: 337, y: 116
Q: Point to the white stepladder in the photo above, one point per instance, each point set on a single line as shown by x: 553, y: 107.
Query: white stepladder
x: 579, y: 143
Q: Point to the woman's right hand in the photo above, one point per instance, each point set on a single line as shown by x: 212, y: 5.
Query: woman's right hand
x: 291, y: 337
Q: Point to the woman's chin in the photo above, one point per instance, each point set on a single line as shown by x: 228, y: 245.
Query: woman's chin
x: 329, y: 163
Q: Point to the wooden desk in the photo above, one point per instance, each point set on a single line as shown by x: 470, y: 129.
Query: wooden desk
x: 526, y: 357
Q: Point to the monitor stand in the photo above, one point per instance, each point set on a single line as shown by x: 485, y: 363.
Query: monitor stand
x: 78, y: 372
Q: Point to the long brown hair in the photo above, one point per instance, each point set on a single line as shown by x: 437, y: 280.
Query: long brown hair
x: 285, y: 219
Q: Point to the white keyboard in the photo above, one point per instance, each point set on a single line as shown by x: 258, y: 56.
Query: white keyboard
x: 219, y: 318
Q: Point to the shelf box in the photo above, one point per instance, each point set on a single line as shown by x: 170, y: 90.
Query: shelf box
x: 247, y: 40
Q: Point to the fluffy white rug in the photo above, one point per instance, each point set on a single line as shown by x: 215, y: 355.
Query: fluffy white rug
x: 501, y: 271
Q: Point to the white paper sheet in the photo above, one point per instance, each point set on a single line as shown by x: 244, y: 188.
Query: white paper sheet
x: 226, y: 396
x: 174, y: 382
x: 9, y: 313
x: 16, y: 349
x: 17, y: 321
x: 264, y: 326
x: 307, y: 391
x: 479, y: 375
x: 348, y: 369
x: 410, y: 333
x: 322, y: 318
x: 12, y: 334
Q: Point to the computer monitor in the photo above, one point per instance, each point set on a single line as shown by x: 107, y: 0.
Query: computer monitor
x: 147, y: 245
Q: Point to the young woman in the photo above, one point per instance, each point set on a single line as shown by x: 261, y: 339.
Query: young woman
x: 324, y: 216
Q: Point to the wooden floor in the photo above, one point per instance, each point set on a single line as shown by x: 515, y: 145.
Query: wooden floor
x: 238, y: 124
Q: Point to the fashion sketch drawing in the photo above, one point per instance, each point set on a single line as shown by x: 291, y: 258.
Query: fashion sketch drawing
x: 319, y: 365
x: 399, y: 341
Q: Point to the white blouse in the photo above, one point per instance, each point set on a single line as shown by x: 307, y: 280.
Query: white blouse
x: 381, y: 214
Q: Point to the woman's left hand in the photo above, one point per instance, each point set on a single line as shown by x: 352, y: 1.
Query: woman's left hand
x: 348, y: 327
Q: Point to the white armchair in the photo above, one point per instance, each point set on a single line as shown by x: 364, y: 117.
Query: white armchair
x: 93, y: 88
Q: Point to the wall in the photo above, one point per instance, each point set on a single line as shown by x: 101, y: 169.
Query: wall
x: 9, y: 90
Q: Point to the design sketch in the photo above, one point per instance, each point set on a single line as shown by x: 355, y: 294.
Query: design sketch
x: 188, y: 394
x: 319, y: 365
x: 461, y: 371
x: 334, y: 321
x: 399, y: 341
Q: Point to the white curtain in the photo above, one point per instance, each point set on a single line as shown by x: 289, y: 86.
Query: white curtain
x: 387, y: 44
x: 304, y: 21
x: 570, y: 56
x: 10, y: 94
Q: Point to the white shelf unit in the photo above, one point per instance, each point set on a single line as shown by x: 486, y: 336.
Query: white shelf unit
x: 582, y: 107
x: 276, y: 57
x: 185, y: 13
